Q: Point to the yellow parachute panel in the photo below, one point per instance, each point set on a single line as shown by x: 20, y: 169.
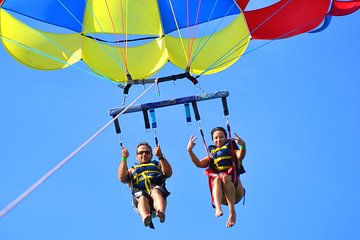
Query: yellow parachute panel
x: 218, y: 52
x: 142, y: 61
x: 38, y: 49
x: 122, y: 17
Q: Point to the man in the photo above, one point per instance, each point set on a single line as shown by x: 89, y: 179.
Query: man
x: 147, y: 181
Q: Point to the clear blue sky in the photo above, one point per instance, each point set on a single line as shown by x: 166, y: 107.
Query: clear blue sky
x: 294, y: 101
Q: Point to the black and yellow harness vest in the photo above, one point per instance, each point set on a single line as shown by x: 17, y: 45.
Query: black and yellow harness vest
x: 146, y: 176
x: 221, y: 158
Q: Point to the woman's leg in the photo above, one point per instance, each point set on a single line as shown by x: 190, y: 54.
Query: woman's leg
x: 229, y: 192
x: 217, y: 193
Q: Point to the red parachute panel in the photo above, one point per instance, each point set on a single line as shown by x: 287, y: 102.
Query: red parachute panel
x: 286, y: 18
x: 341, y: 8
x: 242, y: 3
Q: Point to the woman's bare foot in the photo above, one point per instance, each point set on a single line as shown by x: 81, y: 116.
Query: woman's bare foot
x: 218, y: 213
x: 231, y: 221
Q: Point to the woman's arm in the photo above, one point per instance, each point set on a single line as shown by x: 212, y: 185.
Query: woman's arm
x: 240, y: 154
x: 203, y: 163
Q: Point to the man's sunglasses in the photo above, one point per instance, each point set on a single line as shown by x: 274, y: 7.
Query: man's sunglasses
x: 142, y: 152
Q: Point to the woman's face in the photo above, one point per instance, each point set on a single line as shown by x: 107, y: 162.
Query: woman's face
x: 143, y: 154
x: 219, y: 138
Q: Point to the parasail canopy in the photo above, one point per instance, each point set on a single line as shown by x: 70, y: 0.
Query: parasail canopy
x: 118, y: 39
x: 129, y: 41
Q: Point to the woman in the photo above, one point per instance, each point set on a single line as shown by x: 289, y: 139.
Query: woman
x: 224, y: 178
x: 147, y: 181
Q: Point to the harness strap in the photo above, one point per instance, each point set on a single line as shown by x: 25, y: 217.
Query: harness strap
x: 146, y: 119
x: 154, y: 125
x: 197, y: 118
x: 127, y: 88
x: 226, y: 114
x: 117, y: 126
x: 196, y: 111
x: 225, y: 106
x: 144, y: 177
x: 117, y: 129
x: 187, y: 112
x: 147, y: 182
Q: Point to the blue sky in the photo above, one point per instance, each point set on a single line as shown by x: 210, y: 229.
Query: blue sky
x: 295, y: 102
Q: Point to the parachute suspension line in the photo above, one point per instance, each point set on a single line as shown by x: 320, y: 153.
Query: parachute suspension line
x: 191, y: 39
x: 281, y: 36
x: 198, y: 120
x: 112, y: 55
x: 98, y: 75
x: 54, y: 58
x: 178, y: 30
x: 154, y: 125
x: 262, y: 45
x: 126, y: 33
x: 272, y: 15
x: 203, y: 34
x: 26, y: 193
x: 122, y: 52
x: 87, y: 5
x: 220, y: 61
x: 200, y: 47
x: 188, y: 33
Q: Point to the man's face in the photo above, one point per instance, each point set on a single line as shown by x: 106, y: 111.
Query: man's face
x: 143, y: 154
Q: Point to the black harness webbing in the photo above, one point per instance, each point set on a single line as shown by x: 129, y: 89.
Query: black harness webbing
x: 198, y: 120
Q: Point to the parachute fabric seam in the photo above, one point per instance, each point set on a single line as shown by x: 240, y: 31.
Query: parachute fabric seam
x: 123, y: 54
x: 52, y: 57
x: 113, y: 55
x: 65, y: 50
x: 190, y: 60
